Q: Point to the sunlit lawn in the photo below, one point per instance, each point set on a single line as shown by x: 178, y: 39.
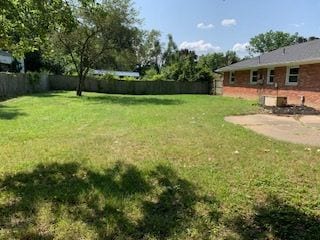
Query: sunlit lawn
x: 149, y: 167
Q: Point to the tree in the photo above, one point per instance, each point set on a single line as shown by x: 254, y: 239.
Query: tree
x: 170, y: 53
x: 269, y: 41
x: 185, y: 67
x: 125, y: 60
x: 24, y: 25
x: 102, y: 28
x: 231, y: 58
x: 36, y: 62
x: 213, y: 61
x: 149, y: 52
x: 86, y: 30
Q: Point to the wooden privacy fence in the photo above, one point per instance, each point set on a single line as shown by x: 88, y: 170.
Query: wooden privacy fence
x: 15, y: 84
x: 217, y: 88
x: 130, y: 87
x: 12, y: 85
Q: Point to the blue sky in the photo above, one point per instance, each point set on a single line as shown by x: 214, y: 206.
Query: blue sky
x: 221, y: 25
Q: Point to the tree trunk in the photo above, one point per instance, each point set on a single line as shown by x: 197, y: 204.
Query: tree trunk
x: 80, y: 85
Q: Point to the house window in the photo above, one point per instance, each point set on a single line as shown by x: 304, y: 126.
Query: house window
x: 232, y: 77
x: 271, y: 76
x: 254, y: 76
x: 292, y: 75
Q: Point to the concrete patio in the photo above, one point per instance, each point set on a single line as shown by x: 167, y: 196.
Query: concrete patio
x: 296, y: 129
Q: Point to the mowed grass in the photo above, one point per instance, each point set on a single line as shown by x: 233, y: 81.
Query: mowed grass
x: 149, y: 167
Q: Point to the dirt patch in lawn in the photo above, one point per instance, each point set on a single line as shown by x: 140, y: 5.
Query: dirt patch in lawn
x: 295, y: 129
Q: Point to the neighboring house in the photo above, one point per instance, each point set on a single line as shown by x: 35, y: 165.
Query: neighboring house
x: 292, y: 72
x: 6, y: 60
x: 116, y: 73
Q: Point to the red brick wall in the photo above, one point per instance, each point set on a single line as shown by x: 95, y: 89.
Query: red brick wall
x: 308, y: 86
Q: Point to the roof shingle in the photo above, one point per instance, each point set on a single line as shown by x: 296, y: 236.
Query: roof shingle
x: 303, y: 52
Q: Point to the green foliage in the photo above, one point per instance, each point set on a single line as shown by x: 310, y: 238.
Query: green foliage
x: 184, y: 67
x: 108, y: 77
x: 269, y: 41
x: 33, y: 79
x: 149, y: 74
x: 105, y: 28
x: 89, y: 32
x: 231, y: 58
x: 36, y: 62
x: 152, y: 75
x: 214, y: 61
x: 111, y: 77
x: 169, y: 55
x: 128, y: 78
x: 119, y: 60
x: 203, y: 75
x: 158, y: 77
x: 149, y: 52
x: 25, y: 25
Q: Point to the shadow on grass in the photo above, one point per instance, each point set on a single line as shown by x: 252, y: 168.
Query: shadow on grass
x: 129, y: 100
x: 278, y: 220
x: 47, y: 94
x: 112, y: 99
x: 68, y: 201
x: 9, y: 113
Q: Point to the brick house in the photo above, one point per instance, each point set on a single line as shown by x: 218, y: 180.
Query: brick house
x: 291, y: 72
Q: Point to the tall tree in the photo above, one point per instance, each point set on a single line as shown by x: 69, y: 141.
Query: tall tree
x: 186, y: 68
x: 101, y: 27
x: 213, y: 61
x: 231, y: 58
x: 170, y: 52
x: 269, y: 41
x: 149, y: 52
x: 86, y: 30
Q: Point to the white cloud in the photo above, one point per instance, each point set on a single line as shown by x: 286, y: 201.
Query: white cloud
x: 297, y: 25
x: 205, y: 26
x: 240, y: 47
x: 229, y: 22
x: 200, y: 47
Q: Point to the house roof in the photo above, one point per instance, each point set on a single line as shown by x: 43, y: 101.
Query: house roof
x: 4, y: 53
x: 308, y: 52
x: 116, y: 73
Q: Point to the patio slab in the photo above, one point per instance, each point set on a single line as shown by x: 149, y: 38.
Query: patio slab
x: 296, y: 129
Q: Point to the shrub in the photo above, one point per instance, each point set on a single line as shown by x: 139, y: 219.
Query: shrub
x: 33, y: 78
x: 108, y: 77
x: 128, y: 79
x: 158, y: 77
x: 203, y: 75
x: 150, y: 73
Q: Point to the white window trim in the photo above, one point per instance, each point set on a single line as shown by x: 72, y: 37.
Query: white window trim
x: 230, y: 77
x: 251, y: 76
x: 268, y: 76
x: 288, y: 75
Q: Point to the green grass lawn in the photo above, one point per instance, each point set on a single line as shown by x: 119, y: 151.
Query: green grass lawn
x: 149, y: 167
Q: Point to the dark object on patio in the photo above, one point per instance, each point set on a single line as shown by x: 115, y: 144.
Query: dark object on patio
x: 293, y: 110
